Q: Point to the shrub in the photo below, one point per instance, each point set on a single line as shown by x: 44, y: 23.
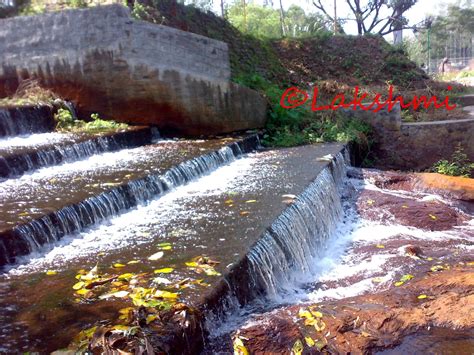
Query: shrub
x: 459, y: 165
x: 66, y: 122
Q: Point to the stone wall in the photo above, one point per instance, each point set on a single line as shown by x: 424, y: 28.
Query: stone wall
x: 415, y: 146
x: 129, y: 70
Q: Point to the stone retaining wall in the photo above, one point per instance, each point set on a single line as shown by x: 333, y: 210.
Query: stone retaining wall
x: 129, y: 70
x: 415, y: 146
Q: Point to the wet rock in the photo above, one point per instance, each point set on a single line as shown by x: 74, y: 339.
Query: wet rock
x: 368, y: 323
x: 431, y: 215
x: 413, y: 250
x: 451, y: 186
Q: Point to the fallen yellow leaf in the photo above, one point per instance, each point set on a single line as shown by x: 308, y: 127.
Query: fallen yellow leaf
x: 165, y: 270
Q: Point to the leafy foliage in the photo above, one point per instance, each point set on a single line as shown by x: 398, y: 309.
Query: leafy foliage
x: 66, y: 122
x: 265, y: 21
x: 286, y: 128
x: 459, y: 165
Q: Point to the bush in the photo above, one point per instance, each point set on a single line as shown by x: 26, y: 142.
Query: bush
x: 298, y: 126
x: 459, y: 165
x: 66, y: 122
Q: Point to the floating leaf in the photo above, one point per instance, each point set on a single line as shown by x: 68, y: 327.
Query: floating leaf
x: 165, y: 270
x: 470, y: 263
x: 156, y: 256
x: 165, y: 294
x: 319, y: 325
x: 250, y: 201
x: 377, y: 279
x: 122, y: 328
x: 437, y: 268
x: 210, y: 271
x: 229, y: 202
x: 370, y: 202
x: 297, y: 348
x: 82, y: 291
x: 51, y: 272
x: 317, y: 314
x: 150, y: 318
x: 404, y: 206
x: 239, y: 347
x: 433, y: 217
x: 320, y: 345
x: 118, y: 265
x: 161, y: 280
x: 126, y: 276
x: 289, y: 196
x: 131, y: 262
x: 429, y: 258
x: 79, y: 285
x: 244, y: 213
x: 398, y: 283
x: 192, y: 264
x: 165, y: 244
x: 125, y: 310
x: 118, y: 294
x: 422, y: 297
x: 309, y: 341
x: 380, y: 246
x: 166, y: 247
x: 302, y: 313
x: 406, y: 277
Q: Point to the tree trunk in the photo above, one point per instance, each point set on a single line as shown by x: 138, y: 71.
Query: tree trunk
x: 223, y: 8
x: 282, y: 20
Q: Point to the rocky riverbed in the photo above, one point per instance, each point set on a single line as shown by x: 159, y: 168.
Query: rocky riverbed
x: 392, y: 292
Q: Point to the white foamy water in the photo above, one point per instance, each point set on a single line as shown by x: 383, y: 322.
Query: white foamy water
x: 137, y: 226
x: 109, y: 161
x: 34, y: 140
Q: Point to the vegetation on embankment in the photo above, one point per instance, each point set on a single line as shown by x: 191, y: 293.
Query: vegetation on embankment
x: 458, y: 165
x: 66, y: 122
x: 31, y: 93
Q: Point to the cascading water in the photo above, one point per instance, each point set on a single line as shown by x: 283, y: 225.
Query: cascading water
x: 16, y: 165
x: 28, y: 237
x: 276, y: 262
x: 25, y: 120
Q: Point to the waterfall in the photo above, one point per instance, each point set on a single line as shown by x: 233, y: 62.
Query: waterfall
x: 25, y: 120
x: 29, y: 237
x: 283, y: 257
x: 15, y: 165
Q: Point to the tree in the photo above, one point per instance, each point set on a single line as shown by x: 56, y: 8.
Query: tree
x: 205, y: 5
x: 266, y: 21
x: 374, y: 16
x: 451, y: 36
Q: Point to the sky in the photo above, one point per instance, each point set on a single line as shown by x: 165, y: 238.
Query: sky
x: 415, y: 15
